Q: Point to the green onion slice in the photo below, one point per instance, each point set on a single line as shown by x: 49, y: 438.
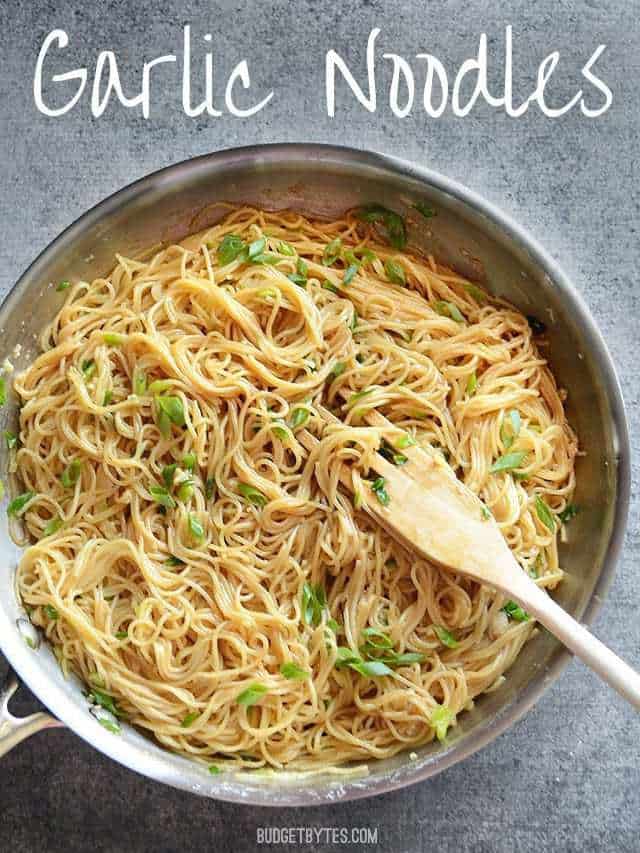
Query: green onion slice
x: 229, y: 249
x: 161, y: 495
x: 515, y: 612
x: 392, y: 223
x: 544, y: 514
x: 293, y: 672
x: 252, y: 495
x: 18, y: 505
x: 71, y: 474
x: 508, y: 462
x: 195, y: 528
x: 332, y: 252
x: 449, y: 309
x: 113, y: 340
x: 53, y: 525
x: 395, y: 272
x: 445, y: 636
x: 251, y: 695
x: 441, y: 718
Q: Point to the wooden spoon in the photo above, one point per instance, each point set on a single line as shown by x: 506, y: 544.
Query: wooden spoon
x: 433, y: 514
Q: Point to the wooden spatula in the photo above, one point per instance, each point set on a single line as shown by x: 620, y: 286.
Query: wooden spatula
x: 433, y: 514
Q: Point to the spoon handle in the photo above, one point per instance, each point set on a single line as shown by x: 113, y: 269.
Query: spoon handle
x: 581, y: 642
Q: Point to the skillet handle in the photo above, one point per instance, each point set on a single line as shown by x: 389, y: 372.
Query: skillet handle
x: 13, y: 730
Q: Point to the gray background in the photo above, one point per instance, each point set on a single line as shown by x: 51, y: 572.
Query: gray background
x: 565, y: 777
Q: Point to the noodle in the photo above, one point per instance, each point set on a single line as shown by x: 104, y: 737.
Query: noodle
x: 200, y: 568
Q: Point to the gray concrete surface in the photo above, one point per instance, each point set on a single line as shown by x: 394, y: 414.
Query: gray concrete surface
x: 566, y: 777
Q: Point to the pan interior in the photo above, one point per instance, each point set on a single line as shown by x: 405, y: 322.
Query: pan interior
x: 466, y: 235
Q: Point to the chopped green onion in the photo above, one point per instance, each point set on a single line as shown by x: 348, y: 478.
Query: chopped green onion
x: 354, y: 321
x: 121, y: 635
x: 11, y: 439
x: 63, y: 285
x: 174, y: 561
x: 229, y: 249
x: 88, y: 369
x: 162, y: 496
x: 515, y: 612
x: 406, y: 440
x: 209, y: 488
x: 395, y: 272
x: 185, y: 491
x: 389, y: 452
x: 475, y: 292
x: 214, y: 769
x: 358, y: 395
x: 392, y: 222
x: 112, y: 726
x: 299, y: 417
x: 265, y: 258
x: 299, y: 277
x: 17, y: 505
x: 257, y: 248
x: 377, y: 639
x: 369, y: 668
x: 544, y: 514
x: 168, y: 473
x: 441, y: 719
x: 349, y: 273
x: 332, y: 252
x: 293, y: 672
x: 190, y: 718
x: 53, y: 525
x: 403, y: 659
x: 251, y: 695
x: 139, y: 383
x: 104, y: 700
x: 338, y: 369
x: 485, y: 512
x: 296, y: 278
x: 173, y: 408
x: 472, y: 384
x: 569, y: 512
x: 314, y: 602
x: 508, y: 462
x: 71, y: 474
x: 252, y: 495
x: 269, y: 293
x: 357, y: 500
x: 445, y: 636
x: 189, y: 461
x: 508, y: 436
x: 379, y: 490
x: 51, y: 612
x: 195, y: 528
x: 423, y: 208
x: 108, y: 397
x: 159, y: 385
x: 113, y: 340
x: 3, y: 391
x: 329, y: 285
x: 449, y: 309
x: 286, y: 248
x: 279, y: 429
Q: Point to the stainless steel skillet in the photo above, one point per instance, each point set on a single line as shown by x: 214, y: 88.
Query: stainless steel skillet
x: 467, y: 233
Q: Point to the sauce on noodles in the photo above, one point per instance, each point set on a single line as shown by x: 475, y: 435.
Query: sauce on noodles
x: 203, y: 572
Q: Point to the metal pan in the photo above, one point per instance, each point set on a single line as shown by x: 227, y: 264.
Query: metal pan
x: 468, y: 234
